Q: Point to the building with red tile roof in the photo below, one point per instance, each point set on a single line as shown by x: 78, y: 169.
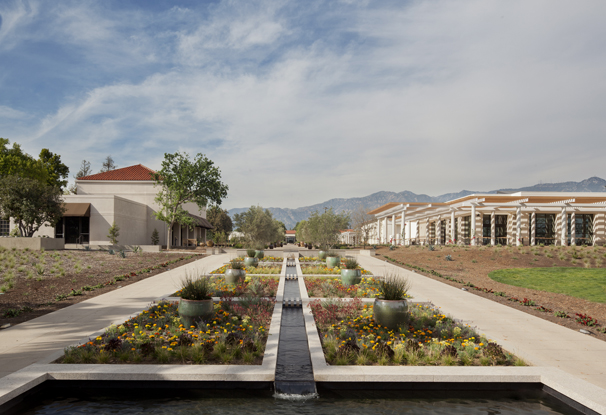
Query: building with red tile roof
x: 124, y: 196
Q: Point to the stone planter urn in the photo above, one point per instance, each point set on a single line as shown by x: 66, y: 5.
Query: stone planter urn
x: 333, y: 261
x: 234, y: 276
x: 251, y: 262
x: 192, y: 311
x: 390, y: 313
x: 351, y: 276
x: 321, y: 254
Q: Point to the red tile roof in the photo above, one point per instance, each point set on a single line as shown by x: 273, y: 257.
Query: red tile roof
x: 138, y: 172
x: 291, y: 232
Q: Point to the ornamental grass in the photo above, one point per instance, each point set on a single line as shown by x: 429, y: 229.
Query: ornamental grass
x: 350, y: 336
x: 235, y: 334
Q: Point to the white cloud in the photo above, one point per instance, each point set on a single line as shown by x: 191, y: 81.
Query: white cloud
x: 431, y: 97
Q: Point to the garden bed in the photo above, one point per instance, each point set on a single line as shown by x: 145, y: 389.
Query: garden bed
x: 257, y: 286
x: 324, y: 287
x: 35, y: 283
x: 471, y: 265
x: 235, y: 334
x: 350, y: 336
x: 323, y: 269
x: 260, y: 270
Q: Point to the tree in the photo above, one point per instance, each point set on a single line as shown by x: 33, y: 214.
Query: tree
x: 323, y: 230
x: 362, y: 224
x: 184, y: 181
x: 47, y: 169
x: 155, y: 238
x: 84, y: 171
x: 258, y: 226
x: 29, y: 203
x: 14, y: 162
x: 220, y: 220
x: 57, y: 171
x: 108, y: 164
x: 113, y: 233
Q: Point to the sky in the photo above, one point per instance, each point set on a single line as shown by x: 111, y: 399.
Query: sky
x: 298, y: 102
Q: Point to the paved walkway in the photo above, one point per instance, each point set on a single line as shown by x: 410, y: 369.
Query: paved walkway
x: 537, y: 341
x: 29, y: 342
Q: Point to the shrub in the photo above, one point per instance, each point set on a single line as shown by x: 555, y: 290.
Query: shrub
x: 351, y: 264
x: 393, y: 287
x: 195, y: 288
x: 250, y: 253
x: 113, y: 233
x: 235, y: 264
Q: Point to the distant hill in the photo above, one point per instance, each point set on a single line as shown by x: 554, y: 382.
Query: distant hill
x: 291, y: 216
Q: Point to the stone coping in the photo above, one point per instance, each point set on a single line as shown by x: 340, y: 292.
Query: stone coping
x: 15, y: 384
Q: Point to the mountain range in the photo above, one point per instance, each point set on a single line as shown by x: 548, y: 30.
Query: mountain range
x: 291, y: 216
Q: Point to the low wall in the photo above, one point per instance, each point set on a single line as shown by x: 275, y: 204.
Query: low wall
x: 34, y: 244
x: 144, y: 248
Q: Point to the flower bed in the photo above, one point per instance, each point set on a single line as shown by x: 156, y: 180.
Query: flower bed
x: 253, y: 270
x: 265, y: 259
x: 332, y: 287
x: 349, y: 335
x: 323, y: 269
x: 251, y: 286
x: 236, y: 334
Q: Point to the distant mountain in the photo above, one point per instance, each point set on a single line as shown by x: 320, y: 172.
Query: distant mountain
x: 291, y: 216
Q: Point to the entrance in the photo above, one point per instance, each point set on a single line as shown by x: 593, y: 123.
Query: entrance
x: 75, y: 230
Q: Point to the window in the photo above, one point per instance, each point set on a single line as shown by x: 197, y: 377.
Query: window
x: 545, y: 228
x: 583, y: 232
x: 5, y: 227
x: 431, y: 233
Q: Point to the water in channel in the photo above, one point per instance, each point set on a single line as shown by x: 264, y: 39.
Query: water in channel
x: 294, y: 373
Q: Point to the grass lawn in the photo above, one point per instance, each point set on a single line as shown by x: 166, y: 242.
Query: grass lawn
x: 587, y: 283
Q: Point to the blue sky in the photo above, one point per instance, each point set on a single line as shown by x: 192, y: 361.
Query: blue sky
x: 300, y: 102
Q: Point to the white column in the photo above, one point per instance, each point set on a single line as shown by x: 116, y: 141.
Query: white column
x: 439, y: 231
x: 563, y: 226
x: 518, y: 226
x: 384, y: 230
x: 418, y: 233
x: 427, y: 231
x: 378, y: 231
x: 573, y: 228
x: 404, y: 228
x: 394, y: 237
x: 493, y: 228
x: 533, y: 229
x: 473, y: 225
x: 452, y: 227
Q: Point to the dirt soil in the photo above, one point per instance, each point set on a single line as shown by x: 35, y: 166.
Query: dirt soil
x: 473, y: 264
x: 40, y: 281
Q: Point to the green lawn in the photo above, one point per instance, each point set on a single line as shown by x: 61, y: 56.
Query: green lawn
x: 587, y: 283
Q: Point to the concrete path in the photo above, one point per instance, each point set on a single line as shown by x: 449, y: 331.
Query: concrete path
x: 29, y: 342
x: 538, y: 341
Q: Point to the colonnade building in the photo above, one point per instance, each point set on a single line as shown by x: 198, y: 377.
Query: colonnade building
x: 520, y: 218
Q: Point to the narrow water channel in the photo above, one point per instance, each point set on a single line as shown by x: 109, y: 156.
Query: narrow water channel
x: 294, y: 373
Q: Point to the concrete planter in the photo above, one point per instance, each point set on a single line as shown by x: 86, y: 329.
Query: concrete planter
x: 33, y: 244
x: 234, y: 276
x: 351, y: 276
x: 390, y: 313
x: 322, y: 255
x: 251, y: 262
x: 192, y: 311
x: 333, y: 262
